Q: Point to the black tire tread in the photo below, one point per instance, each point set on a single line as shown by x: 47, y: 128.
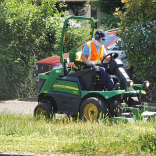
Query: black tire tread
x: 45, y: 106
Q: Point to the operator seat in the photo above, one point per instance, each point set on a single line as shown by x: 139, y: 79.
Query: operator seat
x: 87, y: 77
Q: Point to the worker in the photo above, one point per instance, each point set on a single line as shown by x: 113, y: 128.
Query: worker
x: 92, y: 53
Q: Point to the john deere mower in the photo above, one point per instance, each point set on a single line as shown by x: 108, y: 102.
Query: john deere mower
x: 80, y: 90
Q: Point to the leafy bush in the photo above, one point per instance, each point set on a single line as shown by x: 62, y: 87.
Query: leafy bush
x: 109, y: 21
x: 28, y: 33
x: 30, y: 30
x: 76, y: 37
x: 106, y: 6
x: 137, y: 29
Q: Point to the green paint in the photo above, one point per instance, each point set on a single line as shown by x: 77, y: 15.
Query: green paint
x: 50, y: 79
x: 138, y: 85
x: 110, y: 94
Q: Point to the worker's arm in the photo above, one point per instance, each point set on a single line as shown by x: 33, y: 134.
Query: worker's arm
x: 84, y: 59
x: 85, y: 53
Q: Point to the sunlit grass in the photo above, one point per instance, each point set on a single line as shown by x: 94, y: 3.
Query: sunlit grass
x: 25, y: 134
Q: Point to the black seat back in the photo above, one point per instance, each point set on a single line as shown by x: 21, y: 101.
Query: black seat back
x: 87, y: 77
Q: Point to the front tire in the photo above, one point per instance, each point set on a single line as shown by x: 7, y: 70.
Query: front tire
x: 91, y: 109
x: 116, y: 109
x: 43, y: 110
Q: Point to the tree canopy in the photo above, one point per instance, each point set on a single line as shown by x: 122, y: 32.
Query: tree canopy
x: 30, y: 30
x: 138, y: 32
x: 106, y: 6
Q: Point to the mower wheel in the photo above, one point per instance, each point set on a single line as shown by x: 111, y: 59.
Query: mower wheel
x: 43, y: 110
x: 92, y: 108
x: 116, y: 110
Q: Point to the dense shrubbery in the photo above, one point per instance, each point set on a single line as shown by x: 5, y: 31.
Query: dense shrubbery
x: 109, y: 21
x: 30, y: 31
x: 77, y: 37
x: 138, y: 32
x: 106, y: 6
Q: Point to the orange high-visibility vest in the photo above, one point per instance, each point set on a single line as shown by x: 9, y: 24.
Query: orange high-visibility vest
x: 94, y: 55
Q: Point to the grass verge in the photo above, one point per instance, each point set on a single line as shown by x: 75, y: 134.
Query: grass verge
x: 25, y: 134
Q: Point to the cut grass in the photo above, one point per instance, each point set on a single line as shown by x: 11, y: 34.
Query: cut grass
x: 25, y: 134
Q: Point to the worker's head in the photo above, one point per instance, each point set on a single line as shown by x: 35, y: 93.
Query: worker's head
x: 100, y: 34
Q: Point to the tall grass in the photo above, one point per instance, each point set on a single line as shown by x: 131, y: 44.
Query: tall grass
x: 25, y: 134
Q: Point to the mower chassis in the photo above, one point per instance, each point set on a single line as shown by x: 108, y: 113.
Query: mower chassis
x: 62, y: 87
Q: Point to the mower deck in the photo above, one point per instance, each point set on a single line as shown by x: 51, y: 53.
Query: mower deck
x: 140, y: 112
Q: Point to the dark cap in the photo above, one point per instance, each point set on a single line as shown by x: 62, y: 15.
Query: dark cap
x: 101, y: 34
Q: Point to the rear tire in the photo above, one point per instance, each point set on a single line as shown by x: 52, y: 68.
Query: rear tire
x: 43, y: 110
x: 92, y: 108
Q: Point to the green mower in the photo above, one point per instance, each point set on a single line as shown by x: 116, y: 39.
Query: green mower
x: 80, y: 92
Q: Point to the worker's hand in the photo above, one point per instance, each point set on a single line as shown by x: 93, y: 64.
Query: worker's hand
x: 108, y: 58
x: 91, y: 64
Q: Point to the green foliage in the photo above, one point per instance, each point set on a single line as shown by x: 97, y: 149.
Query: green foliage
x: 106, y: 6
x: 77, y: 8
x: 10, y: 75
x: 28, y: 32
x: 137, y: 29
x: 148, y: 141
x: 76, y: 37
x: 109, y: 21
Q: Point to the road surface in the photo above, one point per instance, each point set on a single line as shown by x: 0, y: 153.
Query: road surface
x: 20, y: 106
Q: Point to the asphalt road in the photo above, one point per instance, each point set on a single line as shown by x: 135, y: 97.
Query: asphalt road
x: 20, y: 106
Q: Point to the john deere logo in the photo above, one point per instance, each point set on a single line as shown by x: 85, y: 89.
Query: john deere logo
x: 64, y: 87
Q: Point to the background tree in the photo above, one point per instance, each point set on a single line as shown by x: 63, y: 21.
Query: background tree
x: 137, y: 30
x: 30, y: 30
x: 107, y: 8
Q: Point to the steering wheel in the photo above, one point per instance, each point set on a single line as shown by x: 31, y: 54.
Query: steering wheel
x: 112, y: 55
